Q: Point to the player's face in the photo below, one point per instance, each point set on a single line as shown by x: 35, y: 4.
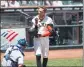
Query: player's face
x: 41, y: 13
x: 24, y: 47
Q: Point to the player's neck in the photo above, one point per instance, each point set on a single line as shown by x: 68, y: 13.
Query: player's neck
x: 41, y: 18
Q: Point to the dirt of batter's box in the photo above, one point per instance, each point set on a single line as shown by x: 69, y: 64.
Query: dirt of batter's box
x: 53, y: 54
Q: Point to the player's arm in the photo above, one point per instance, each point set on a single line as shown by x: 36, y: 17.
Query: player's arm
x: 20, y: 60
x: 33, y: 26
x: 49, y: 30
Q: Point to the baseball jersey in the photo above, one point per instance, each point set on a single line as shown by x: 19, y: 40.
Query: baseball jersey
x: 41, y: 44
x: 15, y: 55
x: 42, y: 25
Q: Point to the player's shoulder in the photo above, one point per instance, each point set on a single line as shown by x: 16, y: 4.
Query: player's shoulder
x: 49, y: 18
x: 33, y: 18
x: 13, y: 47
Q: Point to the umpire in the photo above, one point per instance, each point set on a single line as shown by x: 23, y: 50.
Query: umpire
x: 14, y: 55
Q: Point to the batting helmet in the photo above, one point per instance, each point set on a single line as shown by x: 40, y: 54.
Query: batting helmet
x: 22, y: 42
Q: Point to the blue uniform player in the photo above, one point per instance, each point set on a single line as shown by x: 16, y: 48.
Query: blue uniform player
x: 14, y: 56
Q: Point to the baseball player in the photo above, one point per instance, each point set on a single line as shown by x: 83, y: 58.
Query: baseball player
x: 14, y: 55
x: 42, y: 27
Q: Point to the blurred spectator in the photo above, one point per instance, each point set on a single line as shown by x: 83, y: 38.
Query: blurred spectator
x: 32, y: 3
x: 13, y: 3
x: 35, y: 2
x: 4, y: 4
x: 57, y: 3
x: 47, y: 2
x: 24, y: 2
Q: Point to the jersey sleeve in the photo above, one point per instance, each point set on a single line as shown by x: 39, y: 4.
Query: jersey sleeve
x: 48, y: 31
x: 50, y: 21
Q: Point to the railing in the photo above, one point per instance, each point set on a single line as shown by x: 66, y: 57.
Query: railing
x: 24, y: 8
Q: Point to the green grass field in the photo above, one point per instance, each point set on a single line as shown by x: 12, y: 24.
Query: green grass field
x: 59, y: 62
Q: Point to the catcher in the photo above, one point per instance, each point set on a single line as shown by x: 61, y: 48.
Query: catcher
x: 14, y: 55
